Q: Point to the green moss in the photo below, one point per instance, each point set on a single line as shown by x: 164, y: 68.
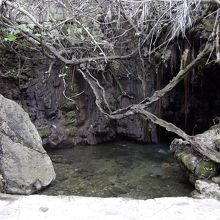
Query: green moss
x: 43, y: 132
x: 206, y: 169
x: 201, y: 168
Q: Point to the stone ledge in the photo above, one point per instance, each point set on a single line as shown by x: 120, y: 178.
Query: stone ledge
x: 39, y: 207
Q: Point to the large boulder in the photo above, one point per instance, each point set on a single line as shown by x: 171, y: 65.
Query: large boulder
x: 25, y: 166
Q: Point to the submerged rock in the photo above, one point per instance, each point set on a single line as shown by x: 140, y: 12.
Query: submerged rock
x: 25, y: 166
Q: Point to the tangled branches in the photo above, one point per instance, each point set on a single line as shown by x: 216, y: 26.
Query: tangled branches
x: 97, y: 31
x: 88, y: 34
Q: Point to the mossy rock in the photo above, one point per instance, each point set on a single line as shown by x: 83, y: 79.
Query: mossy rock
x: 196, y: 165
x: 189, y: 160
x: 43, y: 132
x: 206, y: 169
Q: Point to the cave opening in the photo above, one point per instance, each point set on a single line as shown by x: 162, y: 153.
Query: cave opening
x: 194, y: 104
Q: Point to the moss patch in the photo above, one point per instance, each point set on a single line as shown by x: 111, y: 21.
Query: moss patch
x: 206, y: 169
x: 43, y: 132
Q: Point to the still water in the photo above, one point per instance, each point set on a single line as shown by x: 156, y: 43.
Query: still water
x: 120, y: 169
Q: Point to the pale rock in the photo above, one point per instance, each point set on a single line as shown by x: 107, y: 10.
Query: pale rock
x: 39, y: 207
x: 207, y: 189
x: 25, y: 166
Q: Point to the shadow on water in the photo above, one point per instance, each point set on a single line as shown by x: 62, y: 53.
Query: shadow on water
x: 120, y: 169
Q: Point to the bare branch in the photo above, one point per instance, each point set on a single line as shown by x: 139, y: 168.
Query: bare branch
x: 17, y: 7
x: 160, y: 93
x: 98, y: 90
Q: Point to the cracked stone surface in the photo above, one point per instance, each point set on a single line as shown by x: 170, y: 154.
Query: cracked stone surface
x: 38, y: 207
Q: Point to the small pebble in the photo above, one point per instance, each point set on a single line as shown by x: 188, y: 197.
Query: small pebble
x: 43, y: 209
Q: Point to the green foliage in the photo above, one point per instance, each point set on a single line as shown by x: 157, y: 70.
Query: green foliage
x: 10, y: 37
x: 42, y: 132
x: 13, y: 35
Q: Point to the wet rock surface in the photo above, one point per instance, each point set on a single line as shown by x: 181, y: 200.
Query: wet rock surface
x: 25, y: 166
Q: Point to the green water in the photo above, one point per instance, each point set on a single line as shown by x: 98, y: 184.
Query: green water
x: 120, y: 169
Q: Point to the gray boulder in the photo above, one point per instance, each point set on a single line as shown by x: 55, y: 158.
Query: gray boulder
x: 206, y: 189
x: 25, y: 166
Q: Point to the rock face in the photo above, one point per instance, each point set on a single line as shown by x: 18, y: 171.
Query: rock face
x: 61, y: 121
x: 75, y: 119
x: 206, y: 189
x: 25, y: 166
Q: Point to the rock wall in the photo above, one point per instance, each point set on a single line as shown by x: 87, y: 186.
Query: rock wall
x: 64, y: 118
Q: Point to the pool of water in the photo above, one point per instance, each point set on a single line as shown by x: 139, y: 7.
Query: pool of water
x: 120, y: 169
